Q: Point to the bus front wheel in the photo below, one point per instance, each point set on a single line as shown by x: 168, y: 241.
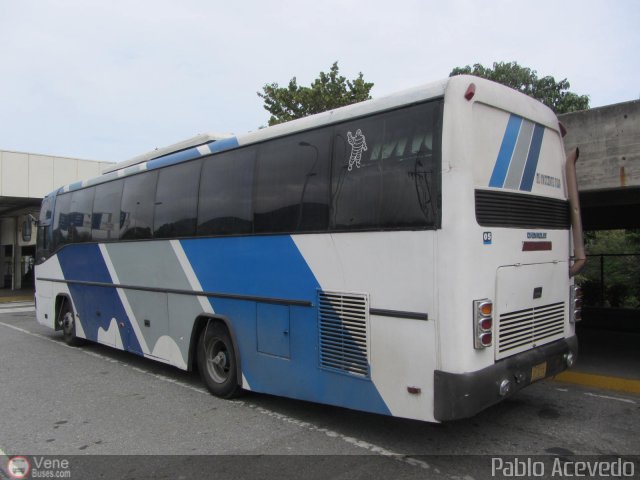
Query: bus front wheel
x: 68, y: 321
x: 217, y: 361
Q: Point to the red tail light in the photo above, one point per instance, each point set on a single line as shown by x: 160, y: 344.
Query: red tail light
x: 486, y: 324
x: 575, y: 304
x: 482, y: 323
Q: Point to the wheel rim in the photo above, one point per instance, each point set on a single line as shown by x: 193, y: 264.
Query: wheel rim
x: 218, y: 361
x: 67, y: 323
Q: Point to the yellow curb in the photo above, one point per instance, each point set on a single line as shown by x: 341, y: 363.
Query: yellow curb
x: 23, y: 298
x: 600, y: 381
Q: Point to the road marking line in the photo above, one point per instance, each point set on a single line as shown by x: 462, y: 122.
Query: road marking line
x: 17, y: 310
x: 16, y: 304
x: 600, y: 381
x: 626, y: 400
x: 279, y: 416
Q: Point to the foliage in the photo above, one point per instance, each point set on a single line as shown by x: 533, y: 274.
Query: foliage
x: 555, y: 95
x: 612, y: 280
x: 328, y: 91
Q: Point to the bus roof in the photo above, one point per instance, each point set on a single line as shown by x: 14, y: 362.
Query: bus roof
x: 200, y: 139
x: 206, y: 144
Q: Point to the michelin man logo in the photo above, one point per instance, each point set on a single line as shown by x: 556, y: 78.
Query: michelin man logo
x: 358, y: 145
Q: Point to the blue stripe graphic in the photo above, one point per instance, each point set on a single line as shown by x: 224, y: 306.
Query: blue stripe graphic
x: 506, y: 152
x: 224, y: 144
x: 532, y: 159
x: 191, y: 153
x: 272, y: 266
x: 173, y: 158
x: 95, y: 306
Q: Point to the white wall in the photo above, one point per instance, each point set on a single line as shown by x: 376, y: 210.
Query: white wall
x: 30, y: 175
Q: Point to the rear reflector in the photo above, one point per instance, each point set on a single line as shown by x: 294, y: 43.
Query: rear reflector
x: 536, y: 246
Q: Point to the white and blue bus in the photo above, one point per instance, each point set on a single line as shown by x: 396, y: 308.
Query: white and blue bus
x: 410, y: 255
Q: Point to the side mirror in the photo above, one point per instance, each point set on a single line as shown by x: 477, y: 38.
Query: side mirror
x: 26, y: 230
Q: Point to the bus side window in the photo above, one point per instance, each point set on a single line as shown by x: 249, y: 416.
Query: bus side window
x: 225, y: 205
x: 409, y: 172
x: 358, y: 149
x: 292, y: 184
x: 177, y: 200
x: 43, y: 244
x: 61, y: 221
x: 136, y: 211
x: 105, y: 222
x: 385, y: 176
x: 80, y: 215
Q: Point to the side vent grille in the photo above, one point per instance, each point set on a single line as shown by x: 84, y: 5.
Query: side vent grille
x: 343, y: 320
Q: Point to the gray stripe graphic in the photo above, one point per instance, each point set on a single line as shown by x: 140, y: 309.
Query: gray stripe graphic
x: 154, y: 264
x: 516, y: 169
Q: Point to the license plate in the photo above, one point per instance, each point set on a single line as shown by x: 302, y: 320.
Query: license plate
x: 538, y: 371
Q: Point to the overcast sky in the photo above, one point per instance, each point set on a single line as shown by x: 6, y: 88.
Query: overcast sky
x: 108, y: 80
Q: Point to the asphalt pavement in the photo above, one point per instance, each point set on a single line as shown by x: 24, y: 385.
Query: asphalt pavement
x: 88, y: 402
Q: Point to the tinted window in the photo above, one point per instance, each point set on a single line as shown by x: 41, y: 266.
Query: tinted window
x: 292, y: 183
x: 136, y: 216
x: 386, y: 170
x: 45, y: 210
x: 43, y: 248
x: 226, y: 193
x: 80, y: 215
x: 61, y: 221
x: 105, y: 224
x: 44, y: 238
x: 177, y: 200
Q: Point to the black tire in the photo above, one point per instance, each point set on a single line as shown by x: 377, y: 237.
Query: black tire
x: 68, y: 321
x: 217, y: 361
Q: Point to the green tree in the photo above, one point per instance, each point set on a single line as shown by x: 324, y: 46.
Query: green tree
x: 554, y: 94
x: 328, y: 91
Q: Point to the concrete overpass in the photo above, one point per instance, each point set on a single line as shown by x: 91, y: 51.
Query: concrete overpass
x: 609, y: 164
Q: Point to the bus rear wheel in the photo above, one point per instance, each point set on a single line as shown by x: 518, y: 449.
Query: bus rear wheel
x: 217, y: 361
x: 68, y: 321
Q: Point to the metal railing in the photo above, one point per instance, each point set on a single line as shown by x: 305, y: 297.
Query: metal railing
x: 611, y: 280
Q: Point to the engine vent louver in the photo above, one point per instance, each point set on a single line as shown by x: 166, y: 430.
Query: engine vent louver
x: 516, y: 210
x: 525, y: 329
x: 343, y: 321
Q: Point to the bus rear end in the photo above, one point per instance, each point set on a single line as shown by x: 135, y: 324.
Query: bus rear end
x: 507, y: 299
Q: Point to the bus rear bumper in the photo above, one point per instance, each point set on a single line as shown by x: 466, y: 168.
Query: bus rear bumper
x: 462, y: 395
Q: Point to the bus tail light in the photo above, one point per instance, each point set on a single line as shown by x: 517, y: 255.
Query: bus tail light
x: 575, y: 304
x: 482, y: 323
